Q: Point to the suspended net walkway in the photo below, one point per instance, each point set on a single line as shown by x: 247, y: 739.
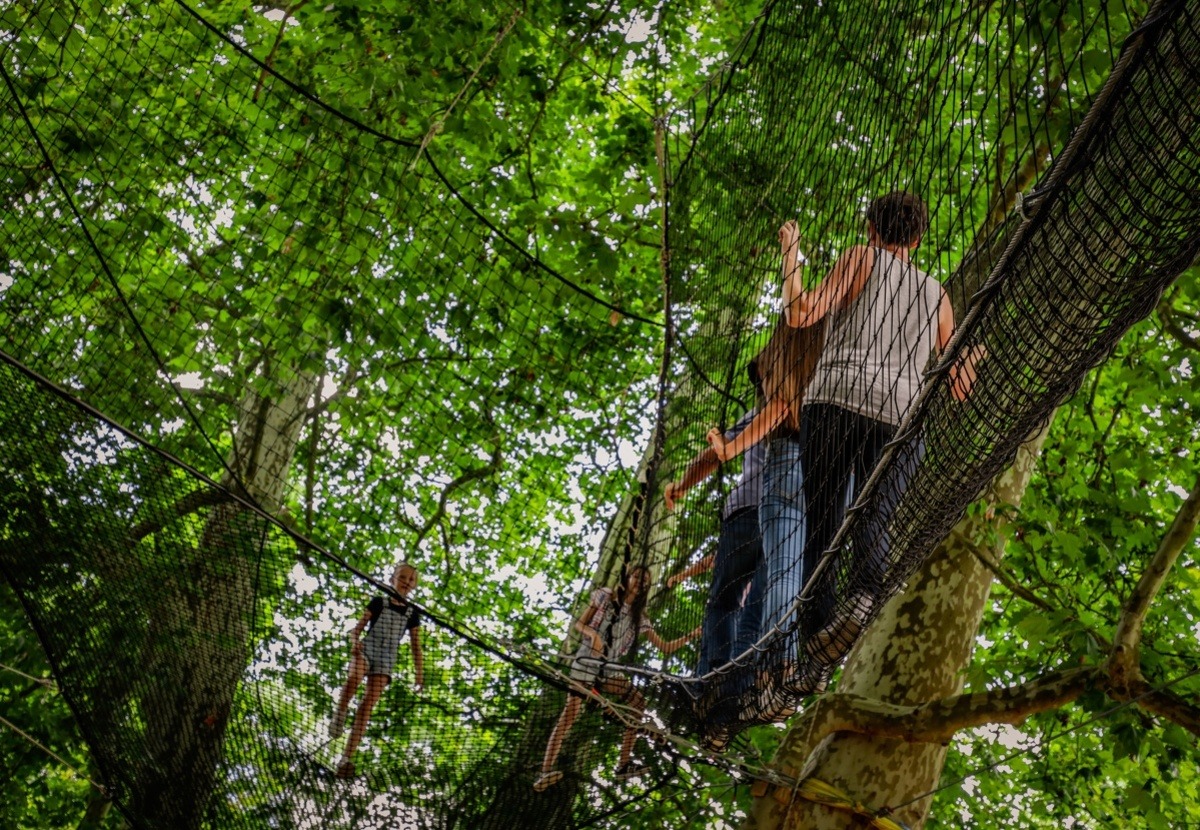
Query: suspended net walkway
x: 262, y: 339
x: 1053, y: 237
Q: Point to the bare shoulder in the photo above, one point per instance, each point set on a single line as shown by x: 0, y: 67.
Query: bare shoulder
x: 856, y: 253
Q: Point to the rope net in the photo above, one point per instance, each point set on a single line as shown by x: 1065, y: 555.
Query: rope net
x: 262, y: 339
x: 891, y: 440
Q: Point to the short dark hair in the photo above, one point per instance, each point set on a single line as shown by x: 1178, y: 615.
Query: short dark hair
x: 899, y: 217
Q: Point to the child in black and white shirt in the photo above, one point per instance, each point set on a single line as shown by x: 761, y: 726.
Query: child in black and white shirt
x: 373, y: 656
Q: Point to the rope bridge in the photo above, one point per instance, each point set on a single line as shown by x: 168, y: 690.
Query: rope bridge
x: 259, y: 335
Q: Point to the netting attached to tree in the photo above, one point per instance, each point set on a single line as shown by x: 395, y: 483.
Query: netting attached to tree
x: 257, y: 348
x: 1043, y: 292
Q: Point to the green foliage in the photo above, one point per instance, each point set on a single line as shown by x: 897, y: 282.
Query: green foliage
x: 1118, y: 459
x: 37, y: 790
x: 471, y: 407
x: 474, y: 413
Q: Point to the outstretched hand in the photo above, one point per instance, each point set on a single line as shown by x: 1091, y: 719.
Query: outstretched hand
x: 716, y: 440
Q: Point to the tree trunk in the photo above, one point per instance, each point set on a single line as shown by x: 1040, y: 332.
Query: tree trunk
x: 200, y: 631
x: 97, y: 808
x: 914, y: 652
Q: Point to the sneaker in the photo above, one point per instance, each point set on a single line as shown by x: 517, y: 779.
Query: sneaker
x: 830, y: 644
x: 337, y: 726
x: 547, y: 780
x: 714, y: 741
x: 630, y: 769
x: 345, y: 770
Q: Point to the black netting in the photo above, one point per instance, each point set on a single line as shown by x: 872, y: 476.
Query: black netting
x: 1041, y: 296
x: 258, y: 346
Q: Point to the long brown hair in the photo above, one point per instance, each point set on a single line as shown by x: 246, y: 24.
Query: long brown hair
x: 786, y: 364
x: 637, y: 609
x: 639, y: 600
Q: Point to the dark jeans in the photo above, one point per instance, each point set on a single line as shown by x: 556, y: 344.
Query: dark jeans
x: 841, y: 446
x: 730, y: 627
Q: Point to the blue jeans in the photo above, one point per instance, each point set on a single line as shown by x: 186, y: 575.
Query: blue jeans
x: 781, y: 516
x: 729, y: 626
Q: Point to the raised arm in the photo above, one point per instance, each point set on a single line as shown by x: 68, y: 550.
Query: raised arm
x: 789, y: 243
x: 695, y: 569
x: 698, y: 469
x: 842, y: 284
x: 766, y: 420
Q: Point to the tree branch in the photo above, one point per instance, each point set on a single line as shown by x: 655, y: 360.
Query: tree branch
x: 1167, y: 315
x: 1009, y: 581
x: 1168, y: 705
x: 1124, y: 664
x: 203, y: 394
x: 1121, y: 679
x: 1004, y: 575
x: 262, y: 76
x: 196, y: 500
x: 437, y: 125
x: 465, y: 477
x: 349, y: 383
x: 938, y: 720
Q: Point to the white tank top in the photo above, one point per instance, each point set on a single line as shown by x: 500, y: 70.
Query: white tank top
x: 878, y: 348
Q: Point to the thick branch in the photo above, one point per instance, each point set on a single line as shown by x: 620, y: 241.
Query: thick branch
x: 1123, y: 664
x: 938, y: 721
x: 1168, y: 705
x: 196, y: 500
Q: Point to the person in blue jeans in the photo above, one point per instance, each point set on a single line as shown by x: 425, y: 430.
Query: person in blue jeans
x: 785, y: 366
x: 731, y: 614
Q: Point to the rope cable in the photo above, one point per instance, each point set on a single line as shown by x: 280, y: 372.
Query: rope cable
x: 51, y: 753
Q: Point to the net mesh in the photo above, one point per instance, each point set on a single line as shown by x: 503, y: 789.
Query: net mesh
x: 261, y: 339
x: 1084, y: 257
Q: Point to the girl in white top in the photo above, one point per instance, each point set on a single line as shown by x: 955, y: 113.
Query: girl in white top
x: 608, y: 629
x: 373, y: 656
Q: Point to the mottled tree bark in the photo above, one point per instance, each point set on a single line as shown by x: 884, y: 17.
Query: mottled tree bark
x: 913, y: 653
